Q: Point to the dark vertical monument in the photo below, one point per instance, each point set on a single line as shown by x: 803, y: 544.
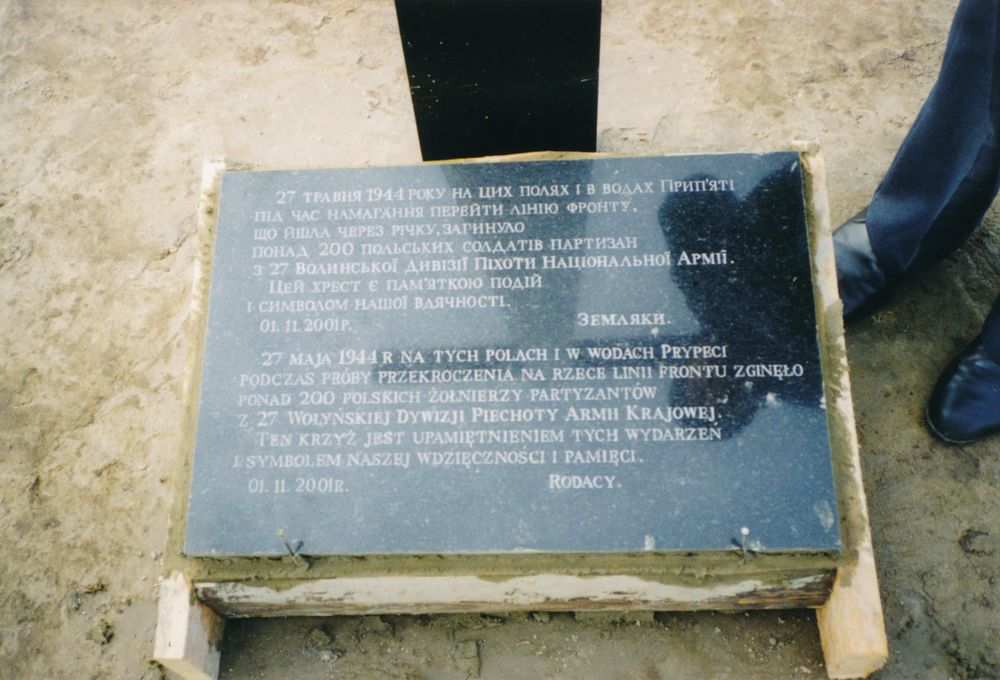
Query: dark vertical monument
x: 491, y: 77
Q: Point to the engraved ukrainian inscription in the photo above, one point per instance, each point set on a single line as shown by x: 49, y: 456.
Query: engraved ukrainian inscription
x: 392, y: 352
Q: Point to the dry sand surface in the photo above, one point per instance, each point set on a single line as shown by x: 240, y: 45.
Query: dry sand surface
x: 108, y: 110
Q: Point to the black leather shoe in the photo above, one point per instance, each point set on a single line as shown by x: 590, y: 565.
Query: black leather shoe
x: 965, y: 404
x: 863, y: 283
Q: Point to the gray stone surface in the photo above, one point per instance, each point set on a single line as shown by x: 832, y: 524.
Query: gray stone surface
x: 588, y: 355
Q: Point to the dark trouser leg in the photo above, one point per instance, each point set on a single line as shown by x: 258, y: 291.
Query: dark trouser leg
x: 991, y: 334
x: 946, y: 173
x: 991, y: 328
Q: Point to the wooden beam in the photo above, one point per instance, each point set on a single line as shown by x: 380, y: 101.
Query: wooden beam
x: 549, y: 592
x: 851, y: 626
x: 188, y: 632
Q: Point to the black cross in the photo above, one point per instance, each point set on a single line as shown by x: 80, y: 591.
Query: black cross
x: 502, y: 76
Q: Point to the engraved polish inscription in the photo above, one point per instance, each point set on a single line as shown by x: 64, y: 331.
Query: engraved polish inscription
x: 594, y: 355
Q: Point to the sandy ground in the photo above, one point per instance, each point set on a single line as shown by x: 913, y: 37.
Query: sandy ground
x: 108, y: 110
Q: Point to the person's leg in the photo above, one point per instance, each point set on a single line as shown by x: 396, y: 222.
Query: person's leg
x: 946, y: 173
x: 964, y: 406
x: 944, y: 177
x: 991, y: 334
x: 941, y: 183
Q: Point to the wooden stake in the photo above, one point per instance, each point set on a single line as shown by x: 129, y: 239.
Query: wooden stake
x: 188, y: 632
x: 851, y: 629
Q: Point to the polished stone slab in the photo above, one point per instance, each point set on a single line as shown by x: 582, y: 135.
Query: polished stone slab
x: 602, y: 355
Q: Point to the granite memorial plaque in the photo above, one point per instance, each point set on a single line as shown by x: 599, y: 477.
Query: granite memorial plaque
x: 600, y: 355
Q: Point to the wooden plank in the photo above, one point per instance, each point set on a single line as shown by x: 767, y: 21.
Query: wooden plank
x: 851, y: 628
x: 550, y: 592
x: 188, y: 632
x: 851, y: 625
